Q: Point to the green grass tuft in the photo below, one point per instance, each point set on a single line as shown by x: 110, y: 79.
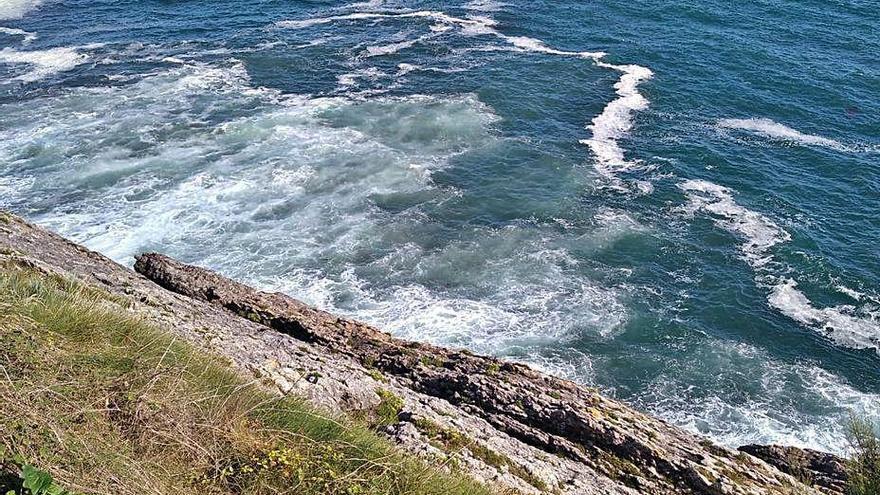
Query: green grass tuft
x: 493, y: 369
x: 106, y: 403
x: 389, y: 408
x: 863, y: 468
x: 377, y: 375
x: 431, y: 361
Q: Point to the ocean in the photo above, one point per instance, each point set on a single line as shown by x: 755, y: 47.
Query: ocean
x: 675, y: 202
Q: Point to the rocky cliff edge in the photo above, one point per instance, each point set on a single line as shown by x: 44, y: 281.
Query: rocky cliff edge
x: 503, y: 423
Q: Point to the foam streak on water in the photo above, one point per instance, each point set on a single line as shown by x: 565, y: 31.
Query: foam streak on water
x: 759, y: 232
x: 615, y: 121
x: 848, y: 325
x: 43, y: 63
x: 472, y: 26
x: 845, y: 324
x: 775, y: 130
x: 27, y: 37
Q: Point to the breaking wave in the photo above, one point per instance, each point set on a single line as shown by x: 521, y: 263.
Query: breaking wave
x: 314, y: 222
x: 773, y: 414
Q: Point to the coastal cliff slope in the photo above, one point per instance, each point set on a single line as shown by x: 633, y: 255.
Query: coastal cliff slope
x: 503, y: 423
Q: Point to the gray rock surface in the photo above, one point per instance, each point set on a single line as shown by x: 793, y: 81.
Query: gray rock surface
x: 503, y: 423
x: 824, y: 470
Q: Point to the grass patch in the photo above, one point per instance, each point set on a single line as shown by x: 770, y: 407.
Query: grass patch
x: 431, y: 361
x: 377, y: 375
x: 493, y: 369
x: 389, y: 408
x: 106, y: 403
x: 863, y: 468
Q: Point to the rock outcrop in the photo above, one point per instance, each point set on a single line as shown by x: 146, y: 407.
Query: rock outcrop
x: 502, y: 422
x: 820, y: 469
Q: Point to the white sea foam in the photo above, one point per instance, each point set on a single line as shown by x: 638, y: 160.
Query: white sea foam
x: 571, y: 365
x: 775, y: 130
x: 13, y: 187
x: 847, y: 325
x: 615, y: 122
x: 858, y: 296
x: 16, y: 9
x: 28, y: 36
x: 356, y: 16
x: 306, y: 230
x: 770, y: 415
x: 404, y: 69
x: 368, y: 5
x: 611, y: 226
x: 173, y: 99
x: 734, y: 425
x: 535, y: 45
x: 485, y: 5
x: 43, y: 63
x: 473, y: 26
x: 519, y: 314
x: 350, y: 79
x: 760, y: 233
x: 391, y: 48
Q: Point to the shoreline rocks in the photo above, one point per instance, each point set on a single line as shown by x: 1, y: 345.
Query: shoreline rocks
x: 504, y: 423
x: 821, y: 469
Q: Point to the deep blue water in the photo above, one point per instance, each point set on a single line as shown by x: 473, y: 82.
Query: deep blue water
x: 689, y: 222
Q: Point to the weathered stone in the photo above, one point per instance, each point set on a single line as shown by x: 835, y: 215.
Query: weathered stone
x: 821, y: 469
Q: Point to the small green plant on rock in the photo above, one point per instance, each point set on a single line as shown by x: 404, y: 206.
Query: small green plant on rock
x: 376, y: 375
x: 453, y: 441
x: 389, y: 407
x: 431, y: 361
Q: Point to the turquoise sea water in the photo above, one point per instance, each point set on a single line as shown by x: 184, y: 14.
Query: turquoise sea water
x: 677, y: 202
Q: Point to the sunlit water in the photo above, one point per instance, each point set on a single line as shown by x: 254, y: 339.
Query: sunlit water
x: 676, y: 202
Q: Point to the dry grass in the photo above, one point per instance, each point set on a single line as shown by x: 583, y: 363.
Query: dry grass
x: 108, y: 404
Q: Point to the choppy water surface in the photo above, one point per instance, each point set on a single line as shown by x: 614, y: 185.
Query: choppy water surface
x: 676, y: 202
